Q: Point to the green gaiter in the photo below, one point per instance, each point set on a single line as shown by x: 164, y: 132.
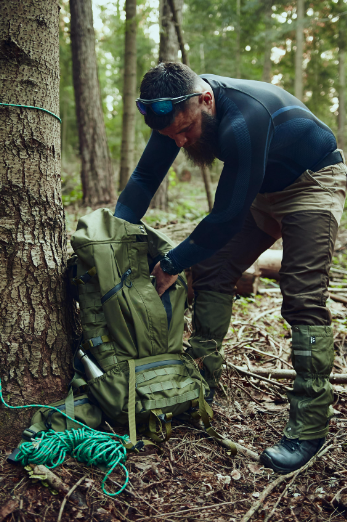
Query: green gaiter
x: 312, y: 394
x: 211, y: 319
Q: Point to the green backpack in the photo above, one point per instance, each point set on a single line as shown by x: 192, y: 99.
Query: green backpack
x: 133, y: 335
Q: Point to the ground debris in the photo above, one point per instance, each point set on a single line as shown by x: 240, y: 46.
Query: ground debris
x: 195, y: 478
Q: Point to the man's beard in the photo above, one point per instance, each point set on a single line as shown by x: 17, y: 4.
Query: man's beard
x: 204, y: 151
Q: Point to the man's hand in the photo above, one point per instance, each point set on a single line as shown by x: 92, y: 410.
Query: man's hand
x: 163, y: 280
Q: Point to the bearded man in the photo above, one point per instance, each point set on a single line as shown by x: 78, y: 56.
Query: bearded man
x: 282, y: 177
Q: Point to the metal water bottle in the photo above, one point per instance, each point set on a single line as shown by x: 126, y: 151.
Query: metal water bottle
x: 91, y: 369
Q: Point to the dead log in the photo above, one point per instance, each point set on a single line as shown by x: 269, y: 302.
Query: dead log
x: 335, y: 378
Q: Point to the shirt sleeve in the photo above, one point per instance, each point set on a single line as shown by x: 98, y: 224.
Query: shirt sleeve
x: 244, y: 137
x: 152, y: 168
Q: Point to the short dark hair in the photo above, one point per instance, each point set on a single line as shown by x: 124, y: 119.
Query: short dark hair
x: 167, y: 80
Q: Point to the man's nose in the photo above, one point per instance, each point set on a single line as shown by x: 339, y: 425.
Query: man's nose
x: 180, y: 141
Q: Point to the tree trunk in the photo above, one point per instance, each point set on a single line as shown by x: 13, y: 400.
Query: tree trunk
x: 97, y: 171
x: 129, y: 92
x: 35, y: 332
x: 267, y: 42
x: 342, y: 79
x: 205, y: 173
x: 238, y: 39
x: 207, y: 182
x: 176, y: 10
x: 168, y: 50
x: 298, y: 89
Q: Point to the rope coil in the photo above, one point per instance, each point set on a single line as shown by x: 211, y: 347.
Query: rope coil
x: 85, y: 444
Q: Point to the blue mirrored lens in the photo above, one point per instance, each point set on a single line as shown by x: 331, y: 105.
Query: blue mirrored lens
x: 162, y: 107
x: 141, y: 107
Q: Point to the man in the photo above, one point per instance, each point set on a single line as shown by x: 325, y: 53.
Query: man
x: 282, y: 177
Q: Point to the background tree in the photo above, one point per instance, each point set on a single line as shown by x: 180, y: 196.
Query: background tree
x: 342, y: 28
x: 299, y: 49
x: 35, y: 334
x: 168, y: 52
x: 129, y: 95
x: 97, y: 170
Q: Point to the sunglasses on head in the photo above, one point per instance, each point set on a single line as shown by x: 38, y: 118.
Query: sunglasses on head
x: 162, y: 106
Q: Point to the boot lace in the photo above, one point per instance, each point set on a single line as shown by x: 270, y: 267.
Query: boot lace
x: 290, y: 444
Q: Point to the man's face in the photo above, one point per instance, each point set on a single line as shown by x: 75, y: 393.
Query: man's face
x: 196, y: 130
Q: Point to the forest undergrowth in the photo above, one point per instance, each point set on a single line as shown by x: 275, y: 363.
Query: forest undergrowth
x: 193, y: 477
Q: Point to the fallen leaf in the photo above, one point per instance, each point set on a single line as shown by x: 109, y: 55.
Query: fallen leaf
x: 255, y: 468
x: 235, y: 475
x: 8, y: 508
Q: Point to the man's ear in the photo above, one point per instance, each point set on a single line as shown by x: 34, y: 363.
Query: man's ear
x: 207, y: 98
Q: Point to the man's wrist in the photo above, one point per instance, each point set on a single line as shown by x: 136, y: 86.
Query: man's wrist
x: 167, y: 266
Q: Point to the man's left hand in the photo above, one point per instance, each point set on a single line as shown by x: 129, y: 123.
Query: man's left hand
x: 163, y: 280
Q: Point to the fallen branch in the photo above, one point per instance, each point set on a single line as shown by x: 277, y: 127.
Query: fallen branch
x: 260, y: 377
x: 67, y: 496
x: 278, y: 481
x: 261, y: 373
x: 200, y: 508
x: 338, y: 298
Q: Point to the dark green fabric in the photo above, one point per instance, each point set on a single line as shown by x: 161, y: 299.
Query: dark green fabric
x: 312, y: 394
x: 211, y: 319
x: 140, y: 326
x: 86, y: 412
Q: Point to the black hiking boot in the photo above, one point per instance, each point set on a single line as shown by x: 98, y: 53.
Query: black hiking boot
x: 290, y: 454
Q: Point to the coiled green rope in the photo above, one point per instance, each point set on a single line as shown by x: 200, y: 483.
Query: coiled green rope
x: 31, y: 107
x: 86, y: 445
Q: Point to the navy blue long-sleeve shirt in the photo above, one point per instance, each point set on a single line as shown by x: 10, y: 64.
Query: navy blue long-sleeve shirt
x: 266, y: 138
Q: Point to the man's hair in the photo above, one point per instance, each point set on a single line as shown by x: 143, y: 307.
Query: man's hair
x: 167, y: 80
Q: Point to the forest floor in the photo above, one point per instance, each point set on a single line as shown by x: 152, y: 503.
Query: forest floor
x: 194, y: 478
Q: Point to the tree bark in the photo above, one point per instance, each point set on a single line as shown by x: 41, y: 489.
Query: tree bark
x: 129, y: 92
x: 267, y: 42
x: 168, y: 50
x: 97, y: 172
x: 35, y: 331
x: 342, y: 79
x: 298, y: 88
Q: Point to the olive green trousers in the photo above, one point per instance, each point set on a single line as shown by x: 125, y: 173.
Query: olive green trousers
x: 306, y: 216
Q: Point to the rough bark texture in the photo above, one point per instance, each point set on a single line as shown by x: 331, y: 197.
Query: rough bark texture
x: 168, y: 50
x: 34, y: 333
x: 129, y: 92
x: 342, y: 79
x: 97, y: 172
x: 298, y: 89
x: 267, y: 42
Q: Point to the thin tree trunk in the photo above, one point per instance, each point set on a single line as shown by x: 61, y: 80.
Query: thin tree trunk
x: 35, y: 332
x: 298, y: 88
x: 342, y: 80
x: 129, y: 92
x: 168, y: 50
x: 267, y: 43
x: 207, y: 182
x: 97, y: 172
x: 176, y: 15
x: 238, y: 39
x: 205, y: 173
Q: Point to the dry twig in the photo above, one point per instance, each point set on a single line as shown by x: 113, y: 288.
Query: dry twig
x: 278, y: 481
